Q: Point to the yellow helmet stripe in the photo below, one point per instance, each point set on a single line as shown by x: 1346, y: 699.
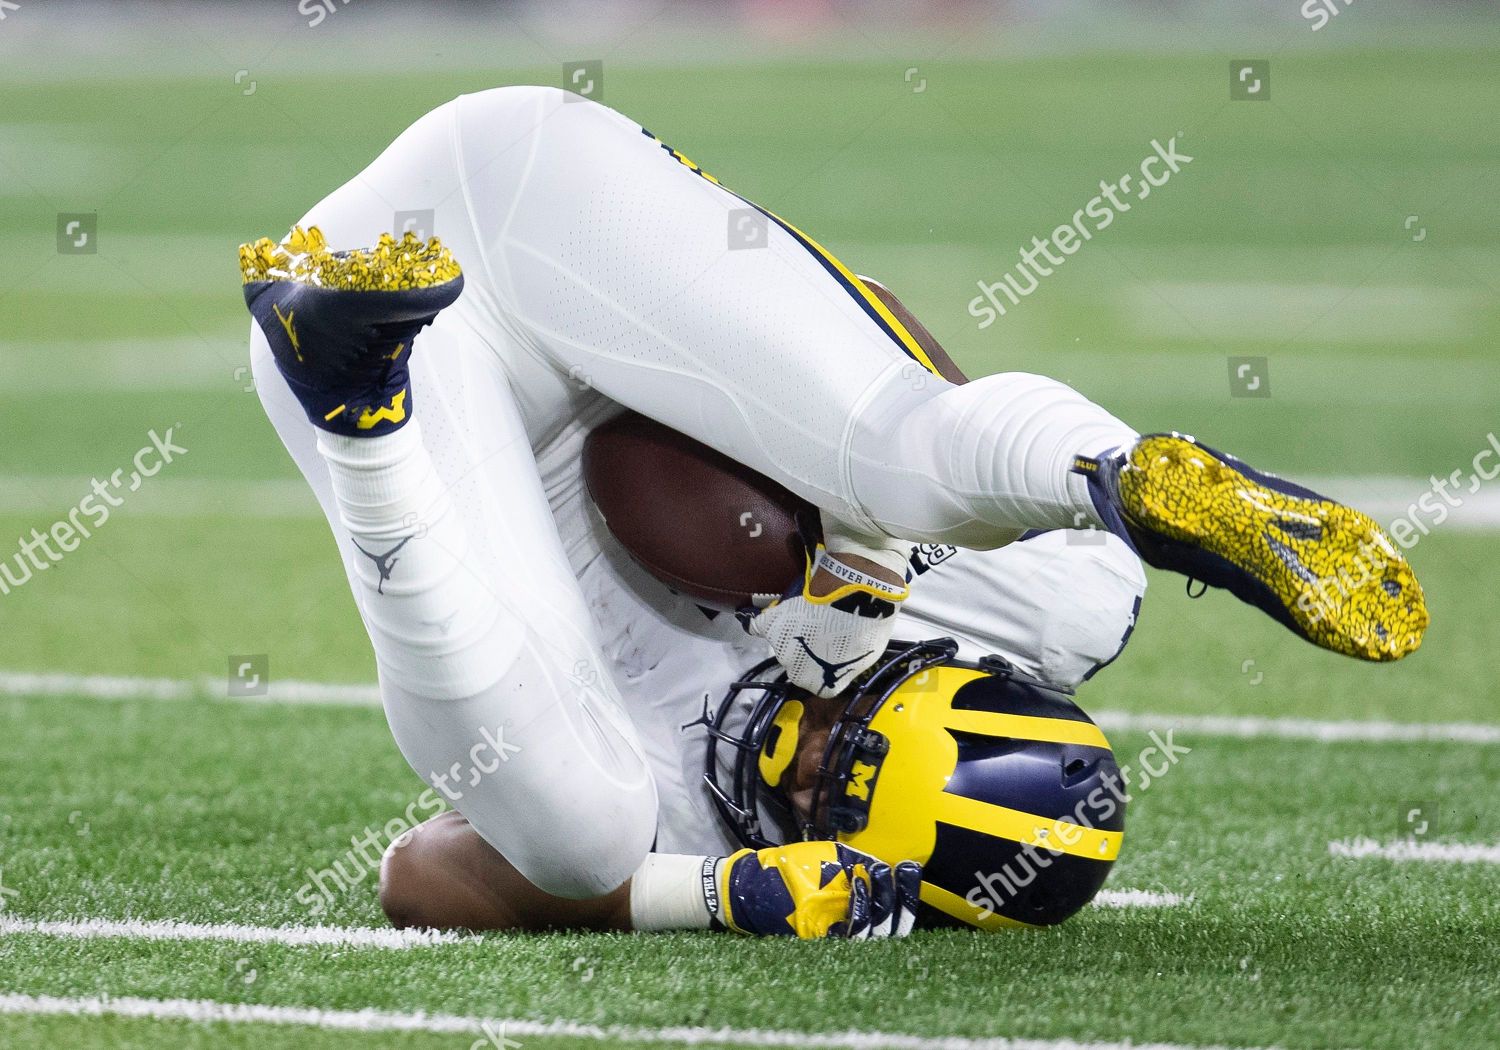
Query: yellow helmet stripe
x: 1019, y: 826
x: 1026, y: 727
x: 951, y: 904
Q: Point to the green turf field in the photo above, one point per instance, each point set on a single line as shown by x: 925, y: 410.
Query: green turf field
x: 1287, y: 237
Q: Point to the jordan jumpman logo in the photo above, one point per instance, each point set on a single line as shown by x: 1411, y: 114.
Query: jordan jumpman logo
x: 831, y: 671
x: 384, y: 563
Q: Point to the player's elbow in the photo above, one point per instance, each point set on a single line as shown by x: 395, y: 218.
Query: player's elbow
x: 589, y: 867
x: 404, y: 890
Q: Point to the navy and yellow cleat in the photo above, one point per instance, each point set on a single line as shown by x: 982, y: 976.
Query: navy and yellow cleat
x: 1324, y: 570
x: 341, y: 324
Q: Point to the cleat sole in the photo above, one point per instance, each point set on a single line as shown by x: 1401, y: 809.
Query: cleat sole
x: 1342, y: 581
x: 390, y: 266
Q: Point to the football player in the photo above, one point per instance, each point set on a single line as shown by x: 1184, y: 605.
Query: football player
x: 602, y: 271
x: 996, y: 782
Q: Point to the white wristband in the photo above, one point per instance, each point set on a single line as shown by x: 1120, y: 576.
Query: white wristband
x: 666, y: 893
x: 885, y: 551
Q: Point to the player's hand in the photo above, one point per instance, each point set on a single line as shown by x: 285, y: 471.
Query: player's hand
x: 814, y: 890
x: 837, y: 620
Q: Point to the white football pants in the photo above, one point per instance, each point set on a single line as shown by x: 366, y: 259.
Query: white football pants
x: 600, y: 262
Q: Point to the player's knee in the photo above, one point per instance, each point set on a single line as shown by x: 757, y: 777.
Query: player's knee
x: 500, y: 105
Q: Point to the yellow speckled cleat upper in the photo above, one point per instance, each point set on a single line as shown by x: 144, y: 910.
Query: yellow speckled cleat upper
x: 1324, y: 569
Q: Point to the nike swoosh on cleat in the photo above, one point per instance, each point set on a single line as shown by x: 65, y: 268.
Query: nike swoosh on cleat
x: 1300, y: 530
x: 1290, y: 560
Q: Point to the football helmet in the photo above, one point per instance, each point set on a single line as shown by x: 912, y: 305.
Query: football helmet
x: 998, y: 784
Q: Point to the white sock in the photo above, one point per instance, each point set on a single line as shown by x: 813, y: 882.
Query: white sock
x: 445, y: 626
x: 978, y: 464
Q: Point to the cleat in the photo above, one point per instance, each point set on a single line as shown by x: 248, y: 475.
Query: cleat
x: 341, y: 324
x: 1325, y: 570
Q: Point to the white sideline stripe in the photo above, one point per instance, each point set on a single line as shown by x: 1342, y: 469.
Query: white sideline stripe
x: 168, y: 930
x: 1247, y: 728
x: 1412, y: 850
x: 371, y: 1020
x: 111, y: 687
x: 1139, y: 899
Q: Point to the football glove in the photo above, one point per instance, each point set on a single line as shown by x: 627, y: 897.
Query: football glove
x: 814, y: 890
x: 824, y: 641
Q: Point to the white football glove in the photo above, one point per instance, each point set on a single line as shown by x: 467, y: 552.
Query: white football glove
x: 825, y: 641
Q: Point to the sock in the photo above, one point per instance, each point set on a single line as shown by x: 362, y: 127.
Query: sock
x: 977, y: 465
x: 421, y: 585
x: 671, y: 891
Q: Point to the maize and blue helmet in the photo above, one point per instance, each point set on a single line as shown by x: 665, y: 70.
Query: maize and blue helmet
x: 998, y: 784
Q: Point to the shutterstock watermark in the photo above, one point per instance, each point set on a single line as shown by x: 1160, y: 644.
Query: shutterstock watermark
x: 326, y: 885
x: 1321, y: 12
x: 37, y: 553
x: 1064, y: 241
x: 484, y: 758
x: 1153, y: 763
x: 318, y: 10
x: 1427, y: 512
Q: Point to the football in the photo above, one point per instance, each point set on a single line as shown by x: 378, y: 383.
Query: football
x: 700, y: 522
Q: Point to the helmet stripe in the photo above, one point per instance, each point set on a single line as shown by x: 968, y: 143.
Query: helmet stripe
x: 951, y: 904
x: 1058, y: 835
x: 1025, y: 727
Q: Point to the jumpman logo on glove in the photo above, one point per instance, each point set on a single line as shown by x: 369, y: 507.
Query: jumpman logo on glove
x: 831, y: 671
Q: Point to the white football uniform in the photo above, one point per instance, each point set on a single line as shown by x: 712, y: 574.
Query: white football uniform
x: 604, y: 269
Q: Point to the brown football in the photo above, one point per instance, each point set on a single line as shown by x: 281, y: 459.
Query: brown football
x: 705, y: 525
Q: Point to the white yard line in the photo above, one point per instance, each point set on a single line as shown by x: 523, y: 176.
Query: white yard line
x: 1405, y: 850
x: 176, y: 363
x: 45, y: 497
x: 167, y: 930
x: 360, y: 937
x: 1386, y: 498
x: 1139, y: 899
x: 117, y: 687
x: 1327, y: 732
x: 1326, y: 314
x: 499, y: 1029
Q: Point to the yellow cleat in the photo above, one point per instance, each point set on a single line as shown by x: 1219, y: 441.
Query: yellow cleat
x: 1326, y: 571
